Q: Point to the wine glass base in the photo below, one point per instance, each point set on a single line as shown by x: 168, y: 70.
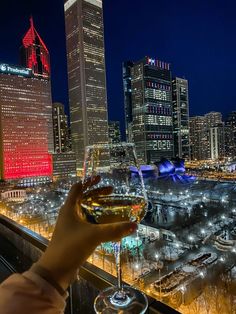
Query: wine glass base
x: 127, y: 300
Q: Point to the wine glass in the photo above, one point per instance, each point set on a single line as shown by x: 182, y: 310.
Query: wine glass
x: 117, y: 166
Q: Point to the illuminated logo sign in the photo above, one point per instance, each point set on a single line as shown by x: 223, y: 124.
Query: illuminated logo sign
x: 158, y: 63
x: 9, y: 69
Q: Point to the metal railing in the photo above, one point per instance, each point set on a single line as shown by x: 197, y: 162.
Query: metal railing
x: 92, y: 279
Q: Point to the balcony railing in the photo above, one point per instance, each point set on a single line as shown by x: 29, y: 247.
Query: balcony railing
x: 83, y: 291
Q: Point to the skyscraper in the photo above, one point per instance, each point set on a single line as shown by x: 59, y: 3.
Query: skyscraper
x: 60, y: 129
x: 26, y: 139
x: 231, y: 135
x: 217, y: 142
x: 34, y: 53
x: 152, y: 124
x: 114, y: 132
x: 213, y: 118
x: 215, y: 135
x: 198, y: 138
x: 86, y: 74
x: 181, y: 117
x: 127, y: 88
x: 207, y: 137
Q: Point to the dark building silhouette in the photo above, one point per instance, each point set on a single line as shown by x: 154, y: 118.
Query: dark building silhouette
x: 181, y: 117
x: 60, y: 129
x: 127, y: 66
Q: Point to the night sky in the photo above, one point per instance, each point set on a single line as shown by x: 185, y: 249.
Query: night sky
x: 197, y: 37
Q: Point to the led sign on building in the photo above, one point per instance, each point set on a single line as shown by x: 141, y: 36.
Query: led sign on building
x: 9, y: 69
x: 158, y: 63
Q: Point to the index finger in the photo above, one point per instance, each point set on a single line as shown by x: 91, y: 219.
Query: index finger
x: 90, y: 182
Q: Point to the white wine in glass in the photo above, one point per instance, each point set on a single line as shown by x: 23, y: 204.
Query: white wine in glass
x: 117, y: 166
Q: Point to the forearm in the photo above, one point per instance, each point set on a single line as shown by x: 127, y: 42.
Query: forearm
x: 30, y: 293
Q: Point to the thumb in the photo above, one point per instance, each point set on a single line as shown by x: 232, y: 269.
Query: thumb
x: 116, y: 231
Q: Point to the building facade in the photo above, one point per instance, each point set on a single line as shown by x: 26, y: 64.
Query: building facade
x: 180, y: 96
x: 198, y: 138
x: 213, y: 118
x: 152, y: 123
x: 34, y: 53
x: 230, y: 135
x: 60, y: 129
x: 114, y: 132
x: 86, y: 74
x: 26, y: 138
x: 64, y: 166
x: 127, y: 88
x: 207, y: 137
x: 217, y: 142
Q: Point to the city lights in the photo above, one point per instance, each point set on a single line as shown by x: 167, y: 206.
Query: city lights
x: 183, y: 252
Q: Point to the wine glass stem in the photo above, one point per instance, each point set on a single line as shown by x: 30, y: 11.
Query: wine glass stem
x: 118, y: 265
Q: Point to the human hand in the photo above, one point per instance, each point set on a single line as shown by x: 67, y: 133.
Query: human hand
x: 74, y: 239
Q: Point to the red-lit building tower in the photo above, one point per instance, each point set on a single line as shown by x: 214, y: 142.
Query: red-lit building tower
x: 26, y: 132
x: 34, y: 53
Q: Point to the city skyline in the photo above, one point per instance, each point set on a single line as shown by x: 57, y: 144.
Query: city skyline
x: 194, y: 53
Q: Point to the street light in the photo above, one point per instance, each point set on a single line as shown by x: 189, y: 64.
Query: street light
x: 182, y: 289
x: 201, y: 274
x: 203, y: 232
x: 222, y: 259
x: 157, y: 256
x: 191, y: 238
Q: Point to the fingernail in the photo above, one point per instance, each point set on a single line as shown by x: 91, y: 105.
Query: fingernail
x: 133, y: 227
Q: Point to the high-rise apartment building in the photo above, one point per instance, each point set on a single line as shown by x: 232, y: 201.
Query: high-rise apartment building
x: 114, y: 132
x: 230, y: 135
x: 181, y: 118
x: 34, y: 53
x: 60, y: 129
x: 198, y: 138
x: 26, y: 138
x: 213, y: 118
x: 217, y: 142
x: 214, y: 135
x: 152, y: 124
x: 207, y: 137
x: 86, y: 74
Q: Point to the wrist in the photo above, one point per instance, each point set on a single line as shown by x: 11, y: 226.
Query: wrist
x: 56, y: 272
x: 48, y: 276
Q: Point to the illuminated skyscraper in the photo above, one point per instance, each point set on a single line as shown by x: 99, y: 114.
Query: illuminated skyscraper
x: 207, y: 137
x: 114, y: 132
x: 34, y: 53
x: 60, y: 129
x: 198, y: 138
x: 86, y: 74
x: 181, y: 117
x: 152, y: 124
x: 230, y: 135
x: 217, y: 141
x: 215, y: 135
x: 26, y: 138
x: 213, y: 118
